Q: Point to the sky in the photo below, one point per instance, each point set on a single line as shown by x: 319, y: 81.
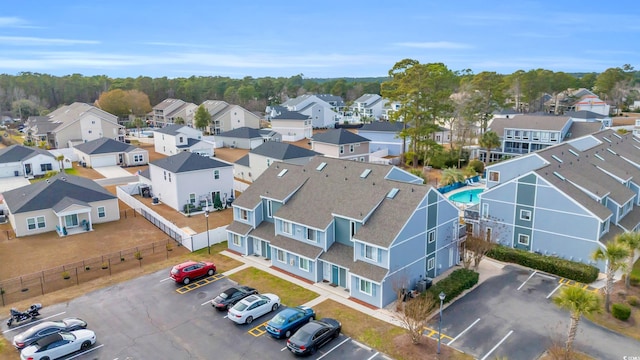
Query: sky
x: 325, y: 39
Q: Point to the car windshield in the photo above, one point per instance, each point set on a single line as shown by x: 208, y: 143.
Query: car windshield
x: 278, y: 320
x: 240, y: 306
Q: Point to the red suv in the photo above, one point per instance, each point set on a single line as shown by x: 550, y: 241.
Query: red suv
x: 187, y: 271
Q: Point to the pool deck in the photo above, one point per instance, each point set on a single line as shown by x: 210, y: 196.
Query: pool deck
x: 461, y: 205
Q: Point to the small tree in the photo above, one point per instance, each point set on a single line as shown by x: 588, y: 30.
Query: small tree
x: 202, y: 118
x: 413, y: 315
x: 477, y: 245
x: 451, y: 175
x: 489, y: 140
x: 579, y: 302
x: 138, y: 123
x: 217, y: 203
x: 179, y: 120
x: 632, y: 241
x: 615, y: 255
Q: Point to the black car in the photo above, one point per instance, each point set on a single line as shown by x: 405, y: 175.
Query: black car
x: 231, y: 296
x: 43, y: 329
x: 313, y: 335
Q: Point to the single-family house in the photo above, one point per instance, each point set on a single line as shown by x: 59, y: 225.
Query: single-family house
x: 341, y: 144
x: 187, y: 178
x: 368, y: 106
x: 252, y: 165
x: 369, y: 229
x: 292, y: 125
x: 388, y: 109
x: 590, y: 116
x: 169, y: 110
x: 63, y: 203
x: 323, y: 114
x: 108, y: 152
x: 566, y: 200
x: 74, y: 124
x: 246, y: 138
x: 577, y: 100
x: 226, y: 117
x: 19, y: 160
x: 176, y: 138
x: 385, y: 135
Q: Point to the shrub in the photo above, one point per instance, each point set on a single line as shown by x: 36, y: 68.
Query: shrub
x: 634, y: 279
x: 633, y: 300
x: 477, y: 165
x: 138, y: 255
x: 418, y: 172
x: 567, y: 269
x: 621, y: 311
x: 454, y: 284
x: 66, y: 275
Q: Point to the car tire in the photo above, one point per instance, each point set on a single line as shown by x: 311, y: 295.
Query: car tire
x: 312, y: 350
x: 85, y: 345
x: 274, y: 307
x: 287, y: 334
x: 44, y: 358
x: 249, y: 320
x: 186, y: 281
x: 210, y: 272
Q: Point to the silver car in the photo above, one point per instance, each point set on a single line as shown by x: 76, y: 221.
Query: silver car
x: 58, y: 345
x: 252, y: 307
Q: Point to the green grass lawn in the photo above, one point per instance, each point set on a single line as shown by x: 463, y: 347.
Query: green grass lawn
x: 223, y: 263
x: 636, y: 268
x: 290, y: 294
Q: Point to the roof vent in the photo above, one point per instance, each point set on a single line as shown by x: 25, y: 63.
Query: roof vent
x: 392, y: 193
x: 284, y: 171
x: 365, y: 173
x: 321, y: 166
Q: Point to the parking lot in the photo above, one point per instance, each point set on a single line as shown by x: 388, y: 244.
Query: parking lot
x: 153, y: 318
x: 512, y: 315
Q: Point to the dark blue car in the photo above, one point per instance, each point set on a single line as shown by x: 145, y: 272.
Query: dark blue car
x: 289, y: 320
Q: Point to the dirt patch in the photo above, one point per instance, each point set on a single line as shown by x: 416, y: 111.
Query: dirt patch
x: 229, y: 154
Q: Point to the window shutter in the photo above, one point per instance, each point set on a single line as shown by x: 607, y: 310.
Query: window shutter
x: 373, y: 289
x: 362, y: 250
x: 379, y: 255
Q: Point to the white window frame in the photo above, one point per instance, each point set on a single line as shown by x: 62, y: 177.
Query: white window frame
x: 341, y: 149
x: 216, y: 174
x: 352, y: 148
x: 244, y: 214
x: 102, y: 211
x: 493, y: 174
x: 352, y: 229
x: 192, y: 198
x: 374, y: 253
x: 523, y: 236
x: 485, y: 210
x: 280, y: 256
x: 431, y: 236
x: 31, y: 222
x: 286, y: 227
x: 431, y: 263
x: 312, y: 235
x: 364, y: 284
x: 304, y: 264
x: 525, y: 215
x: 235, y: 239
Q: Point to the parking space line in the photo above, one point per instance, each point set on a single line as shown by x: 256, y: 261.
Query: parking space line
x: 31, y: 323
x: 463, y: 331
x: 199, y: 283
x: 205, y: 303
x: 362, y: 345
x: 530, y: 276
x: 498, y: 344
x: 547, y: 276
x: 333, y: 348
x: 554, y: 290
x: 374, y: 355
x: 259, y: 330
x: 86, y: 352
x: 165, y: 279
x: 433, y: 332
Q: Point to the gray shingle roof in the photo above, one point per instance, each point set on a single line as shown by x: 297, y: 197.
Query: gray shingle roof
x: 244, y: 161
x: 104, y: 146
x: 48, y: 193
x: 529, y: 122
x: 585, y: 114
x: 16, y: 153
x: 242, y: 133
x: 342, y: 255
x: 239, y: 228
x: 383, y: 126
x: 190, y: 143
x: 580, y: 129
x: 282, y: 151
x: 171, y: 129
x: 187, y: 161
x: 290, y: 115
x: 66, y: 201
x: 339, y: 137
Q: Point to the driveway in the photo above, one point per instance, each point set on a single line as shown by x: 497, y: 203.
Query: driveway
x: 10, y: 183
x: 512, y: 315
x: 112, y: 171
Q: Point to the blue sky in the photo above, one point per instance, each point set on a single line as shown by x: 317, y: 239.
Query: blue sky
x: 329, y: 38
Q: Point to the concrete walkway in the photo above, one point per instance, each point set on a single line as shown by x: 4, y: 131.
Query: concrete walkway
x: 487, y: 269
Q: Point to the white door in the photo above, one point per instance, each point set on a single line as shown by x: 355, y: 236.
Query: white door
x: 257, y: 249
x: 326, y: 272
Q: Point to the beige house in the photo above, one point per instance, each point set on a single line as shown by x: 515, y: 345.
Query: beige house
x: 292, y: 125
x: 166, y: 112
x: 75, y: 124
x: 63, y: 203
x: 226, y: 117
x: 341, y: 144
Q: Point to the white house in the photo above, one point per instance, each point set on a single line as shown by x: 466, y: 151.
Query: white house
x: 322, y: 113
x: 252, y: 165
x: 368, y: 106
x: 107, y: 152
x: 18, y: 160
x: 292, y: 125
x: 188, y: 178
x: 246, y: 138
x: 176, y: 138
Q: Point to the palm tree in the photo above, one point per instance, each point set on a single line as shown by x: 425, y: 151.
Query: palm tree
x: 632, y: 241
x: 451, y: 175
x: 489, y: 140
x: 615, y: 254
x: 579, y: 302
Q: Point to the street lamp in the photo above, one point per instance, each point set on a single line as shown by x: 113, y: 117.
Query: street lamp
x: 206, y: 215
x: 441, y: 296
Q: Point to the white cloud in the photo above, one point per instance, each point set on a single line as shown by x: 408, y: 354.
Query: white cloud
x: 36, y: 41
x: 11, y: 21
x: 434, y: 45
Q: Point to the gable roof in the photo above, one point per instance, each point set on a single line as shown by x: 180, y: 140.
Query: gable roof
x: 528, y: 122
x: 104, y: 146
x: 339, y: 137
x: 282, y: 151
x: 172, y: 129
x: 185, y: 161
x: 16, y: 153
x: 242, y: 133
x: 48, y: 193
x: 368, y: 99
x: 289, y: 115
x: 69, y: 114
x: 585, y: 114
x: 582, y: 128
x: 383, y: 126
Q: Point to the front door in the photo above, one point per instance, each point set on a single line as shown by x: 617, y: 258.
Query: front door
x: 71, y: 220
x: 334, y: 275
x: 27, y: 169
x: 120, y: 159
x: 257, y: 248
x: 266, y: 249
x: 326, y: 272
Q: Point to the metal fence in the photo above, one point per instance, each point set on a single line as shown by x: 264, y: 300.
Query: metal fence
x: 60, y: 277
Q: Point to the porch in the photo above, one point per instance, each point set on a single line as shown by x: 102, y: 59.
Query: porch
x: 74, y: 221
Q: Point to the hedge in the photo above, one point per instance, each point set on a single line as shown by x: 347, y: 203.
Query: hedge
x: 567, y: 269
x: 454, y: 284
x: 621, y: 311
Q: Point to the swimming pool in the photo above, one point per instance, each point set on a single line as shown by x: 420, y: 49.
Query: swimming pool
x: 467, y: 196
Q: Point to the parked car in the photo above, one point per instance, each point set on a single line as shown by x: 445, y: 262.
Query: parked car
x: 231, y: 296
x: 252, y: 307
x: 289, y: 320
x: 187, y: 271
x: 58, y: 345
x: 43, y: 329
x: 309, y: 338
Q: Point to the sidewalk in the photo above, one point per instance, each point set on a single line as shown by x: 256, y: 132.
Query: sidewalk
x: 487, y: 269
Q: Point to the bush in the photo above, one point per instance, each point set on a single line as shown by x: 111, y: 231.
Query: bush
x: 621, y: 311
x: 477, y: 165
x: 567, y: 269
x: 453, y: 285
x: 633, y: 300
x: 634, y: 279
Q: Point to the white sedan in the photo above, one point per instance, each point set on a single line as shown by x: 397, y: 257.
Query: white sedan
x: 252, y: 307
x: 58, y: 345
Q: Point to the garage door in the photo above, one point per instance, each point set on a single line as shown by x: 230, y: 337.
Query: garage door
x: 99, y: 161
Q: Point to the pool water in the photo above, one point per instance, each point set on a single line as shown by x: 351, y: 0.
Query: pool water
x: 467, y: 196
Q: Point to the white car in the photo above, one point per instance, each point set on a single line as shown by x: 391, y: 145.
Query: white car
x: 58, y: 345
x: 252, y: 307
